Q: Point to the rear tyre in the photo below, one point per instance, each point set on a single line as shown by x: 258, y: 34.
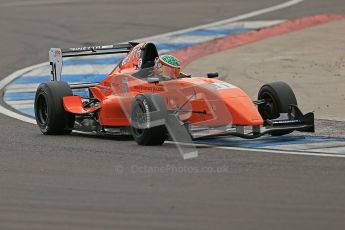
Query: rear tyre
x: 143, y: 131
x: 51, y: 117
x: 277, y: 97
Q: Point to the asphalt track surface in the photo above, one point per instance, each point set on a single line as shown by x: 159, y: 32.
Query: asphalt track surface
x: 81, y: 182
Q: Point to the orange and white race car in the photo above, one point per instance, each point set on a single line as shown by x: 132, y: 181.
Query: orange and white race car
x: 136, y: 99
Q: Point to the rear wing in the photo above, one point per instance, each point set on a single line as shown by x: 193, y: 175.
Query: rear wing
x: 56, y: 55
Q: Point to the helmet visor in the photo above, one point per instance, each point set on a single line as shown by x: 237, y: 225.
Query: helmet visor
x: 169, y: 71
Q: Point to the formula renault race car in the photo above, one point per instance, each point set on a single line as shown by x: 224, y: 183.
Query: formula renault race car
x: 134, y: 100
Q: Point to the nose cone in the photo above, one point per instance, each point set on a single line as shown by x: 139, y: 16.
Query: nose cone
x: 241, y: 107
x: 226, y: 103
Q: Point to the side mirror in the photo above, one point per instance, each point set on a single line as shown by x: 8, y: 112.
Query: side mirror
x: 152, y: 80
x: 212, y: 75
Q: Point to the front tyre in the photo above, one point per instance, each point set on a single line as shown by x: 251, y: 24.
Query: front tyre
x: 277, y: 97
x: 144, y: 128
x: 51, y: 117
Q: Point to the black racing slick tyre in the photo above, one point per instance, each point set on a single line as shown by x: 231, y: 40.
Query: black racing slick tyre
x: 144, y: 129
x: 51, y: 117
x: 277, y: 97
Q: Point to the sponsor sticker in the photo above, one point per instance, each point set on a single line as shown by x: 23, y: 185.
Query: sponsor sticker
x: 222, y: 85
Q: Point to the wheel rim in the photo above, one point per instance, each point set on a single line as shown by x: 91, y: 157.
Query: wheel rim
x: 42, y: 110
x: 139, y: 118
x: 269, y: 109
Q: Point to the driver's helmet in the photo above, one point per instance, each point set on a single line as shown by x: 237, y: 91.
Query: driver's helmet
x: 168, y: 66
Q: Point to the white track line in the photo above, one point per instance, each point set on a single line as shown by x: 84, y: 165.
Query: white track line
x: 319, y: 154
x: 6, y: 81
x: 180, y: 38
x: 229, y: 20
x: 282, y: 152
